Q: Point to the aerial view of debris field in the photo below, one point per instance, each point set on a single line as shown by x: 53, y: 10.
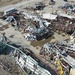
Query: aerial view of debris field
x: 37, y: 37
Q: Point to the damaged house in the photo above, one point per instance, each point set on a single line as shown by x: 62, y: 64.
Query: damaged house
x: 63, y: 52
x: 63, y: 23
x: 33, y: 27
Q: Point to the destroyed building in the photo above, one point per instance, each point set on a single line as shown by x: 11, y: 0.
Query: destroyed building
x: 69, y: 8
x: 27, y: 61
x: 47, y: 27
x: 63, y: 51
x: 38, y: 6
x: 63, y: 23
x: 34, y: 27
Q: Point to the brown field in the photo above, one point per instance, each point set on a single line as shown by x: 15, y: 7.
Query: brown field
x: 7, y: 2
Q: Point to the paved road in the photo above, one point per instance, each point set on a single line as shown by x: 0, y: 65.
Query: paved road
x: 20, y: 4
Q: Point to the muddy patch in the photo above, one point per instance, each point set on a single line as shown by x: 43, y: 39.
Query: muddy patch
x: 40, y: 43
x: 11, y: 36
x: 4, y: 27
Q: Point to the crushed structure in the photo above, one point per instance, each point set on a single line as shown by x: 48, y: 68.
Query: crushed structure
x: 63, y: 23
x: 34, y: 27
x: 38, y: 38
x: 69, y: 8
x: 27, y: 61
x: 62, y: 53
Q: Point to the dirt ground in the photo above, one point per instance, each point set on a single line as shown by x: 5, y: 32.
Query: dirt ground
x: 8, y: 66
x: 7, y: 2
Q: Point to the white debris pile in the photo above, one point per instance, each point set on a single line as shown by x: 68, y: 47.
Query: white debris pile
x: 46, y: 49
x: 71, y: 46
x: 28, y: 63
x: 10, y: 18
x: 31, y: 29
x: 29, y: 16
x: 63, y: 48
x: 39, y: 29
x: 35, y: 27
x: 70, y: 8
x: 63, y: 51
x: 30, y: 37
x: 49, y: 16
x: 72, y: 37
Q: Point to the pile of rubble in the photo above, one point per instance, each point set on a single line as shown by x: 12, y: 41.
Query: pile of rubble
x: 38, y: 29
x: 61, y: 47
x: 26, y: 59
x: 63, y: 23
x: 72, y: 37
x: 34, y: 27
x: 69, y: 8
x: 61, y: 54
x: 38, y: 6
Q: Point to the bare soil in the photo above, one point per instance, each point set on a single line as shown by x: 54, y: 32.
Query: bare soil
x: 7, y: 2
x: 8, y: 66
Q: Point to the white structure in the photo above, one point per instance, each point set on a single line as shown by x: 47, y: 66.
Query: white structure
x: 29, y: 16
x: 9, y: 10
x: 49, y: 16
x: 71, y: 61
x: 31, y: 64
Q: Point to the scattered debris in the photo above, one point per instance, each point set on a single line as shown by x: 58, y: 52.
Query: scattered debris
x: 63, y: 51
x: 37, y: 26
x: 27, y: 61
x: 38, y: 6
